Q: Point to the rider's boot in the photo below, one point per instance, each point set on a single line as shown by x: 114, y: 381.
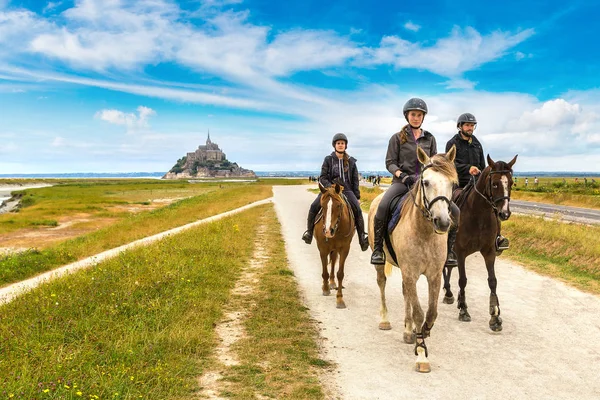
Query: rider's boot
x: 502, y: 244
x: 310, y: 227
x: 378, y: 256
x: 451, y: 260
x: 360, y: 231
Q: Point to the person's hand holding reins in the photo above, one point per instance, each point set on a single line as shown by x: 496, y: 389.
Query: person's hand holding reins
x: 474, y: 170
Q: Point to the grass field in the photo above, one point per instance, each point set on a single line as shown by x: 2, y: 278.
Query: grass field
x: 211, y: 200
x: 142, y: 325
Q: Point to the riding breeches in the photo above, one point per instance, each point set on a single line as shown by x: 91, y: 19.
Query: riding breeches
x: 397, y: 189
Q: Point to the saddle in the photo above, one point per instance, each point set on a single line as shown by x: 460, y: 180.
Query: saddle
x: 460, y: 195
x: 395, y: 213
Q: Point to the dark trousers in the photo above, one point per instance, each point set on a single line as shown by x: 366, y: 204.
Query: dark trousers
x: 397, y: 189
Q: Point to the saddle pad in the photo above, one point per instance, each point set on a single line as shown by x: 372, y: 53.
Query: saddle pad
x: 396, y: 212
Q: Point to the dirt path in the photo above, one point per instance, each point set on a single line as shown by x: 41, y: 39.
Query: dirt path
x: 549, y: 348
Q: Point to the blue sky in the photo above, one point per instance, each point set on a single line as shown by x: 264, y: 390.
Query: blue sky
x: 124, y: 86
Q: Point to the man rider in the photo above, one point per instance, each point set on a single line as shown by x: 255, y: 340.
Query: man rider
x: 469, y: 163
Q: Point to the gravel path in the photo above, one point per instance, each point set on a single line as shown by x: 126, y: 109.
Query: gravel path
x: 549, y: 348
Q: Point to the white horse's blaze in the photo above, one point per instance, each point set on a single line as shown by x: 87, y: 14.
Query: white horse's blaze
x: 504, y: 180
x: 438, y: 186
x: 328, y: 215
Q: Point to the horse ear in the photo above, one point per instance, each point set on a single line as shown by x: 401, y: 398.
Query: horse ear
x: 451, y: 154
x: 322, y: 188
x: 491, y: 162
x: 513, y: 161
x: 337, y: 188
x: 422, y: 156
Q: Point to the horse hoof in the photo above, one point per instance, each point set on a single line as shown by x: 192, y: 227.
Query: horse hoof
x: 385, y: 326
x: 496, y: 326
x: 326, y: 292
x: 464, y: 317
x: 332, y: 286
x: 409, y: 338
x: 340, y: 304
x: 423, y: 367
x: 448, y: 300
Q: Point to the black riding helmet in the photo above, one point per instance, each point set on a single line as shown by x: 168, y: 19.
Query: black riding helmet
x: 466, y: 117
x: 339, y: 136
x: 414, y: 104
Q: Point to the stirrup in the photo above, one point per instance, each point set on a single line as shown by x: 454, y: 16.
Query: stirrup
x: 502, y: 244
x: 378, y: 257
x: 451, y: 260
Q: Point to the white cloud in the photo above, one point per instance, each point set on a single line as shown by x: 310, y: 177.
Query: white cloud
x: 132, y: 121
x: 411, y: 26
x: 465, y: 50
x: 58, y: 142
x: 51, y: 6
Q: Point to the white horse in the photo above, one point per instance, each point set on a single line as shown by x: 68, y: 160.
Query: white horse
x: 419, y: 241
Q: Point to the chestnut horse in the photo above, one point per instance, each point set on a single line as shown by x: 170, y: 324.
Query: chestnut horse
x: 419, y: 241
x: 480, y: 214
x: 334, y: 232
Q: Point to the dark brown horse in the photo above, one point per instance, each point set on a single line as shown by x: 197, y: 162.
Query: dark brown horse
x: 334, y: 232
x: 485, y: 205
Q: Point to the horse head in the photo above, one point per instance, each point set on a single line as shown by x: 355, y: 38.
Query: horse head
x: 332, y: 205
x: 438, y: 177
x: 500, y: 185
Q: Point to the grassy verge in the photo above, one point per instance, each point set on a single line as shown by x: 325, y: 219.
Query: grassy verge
x: 20, y: 266
x: 569, y: 252
x: 279, y: 356
x: 142, y: 325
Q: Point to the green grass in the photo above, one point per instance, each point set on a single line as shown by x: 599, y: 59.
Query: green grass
x: 563, y: 191
x: 279, y: 357
x: 142, y: 325
x: 569, y: 252
x: 95, y: 199
x: 20, y: 266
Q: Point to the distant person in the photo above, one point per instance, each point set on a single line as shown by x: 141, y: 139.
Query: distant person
x: 378, y: 180
x: 585, y: 181
x: 401, y: 161
x: 576, y: 180
x: 526, y: 182
x: 535, y: 181
x: 341, y: 167
x: 469, y: 163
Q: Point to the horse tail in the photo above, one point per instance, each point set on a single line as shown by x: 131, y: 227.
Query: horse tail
x: 388, y: 269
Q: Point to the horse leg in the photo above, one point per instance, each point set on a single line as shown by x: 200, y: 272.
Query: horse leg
x: 339, y: 301
x: 333, y: 257
x: 495, y: 320
x: 413, y: 312
x: 325, y: 274
x: 433, y: 284
x: 384, y: 323
x: 448, y: 296
x: 417, y: 336
x: 463, y: 314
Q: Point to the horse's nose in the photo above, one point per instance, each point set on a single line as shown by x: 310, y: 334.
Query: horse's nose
x: 504, y: 215
x: 441, y: 224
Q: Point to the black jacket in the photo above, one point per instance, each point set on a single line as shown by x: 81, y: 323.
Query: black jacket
x: 468, y: 153
x: 403, y: 156
x: 330, y: 171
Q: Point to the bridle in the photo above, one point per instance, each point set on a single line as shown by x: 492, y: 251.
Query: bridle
x: 491, y: 200
x: 334, y: 227
x: 426, y: 207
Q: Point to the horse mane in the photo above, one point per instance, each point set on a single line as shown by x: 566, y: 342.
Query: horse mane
x: 438, y: 163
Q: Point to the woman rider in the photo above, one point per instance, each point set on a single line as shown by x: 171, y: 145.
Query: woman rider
x: 339, y: 166
x: 401, y: 160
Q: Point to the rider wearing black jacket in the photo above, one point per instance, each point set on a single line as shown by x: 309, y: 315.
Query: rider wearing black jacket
x: 340, y: 167
x: 469, y: 163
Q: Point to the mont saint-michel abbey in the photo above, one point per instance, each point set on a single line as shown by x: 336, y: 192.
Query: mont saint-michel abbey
x: 207, y: 161
x: 210, y: 151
